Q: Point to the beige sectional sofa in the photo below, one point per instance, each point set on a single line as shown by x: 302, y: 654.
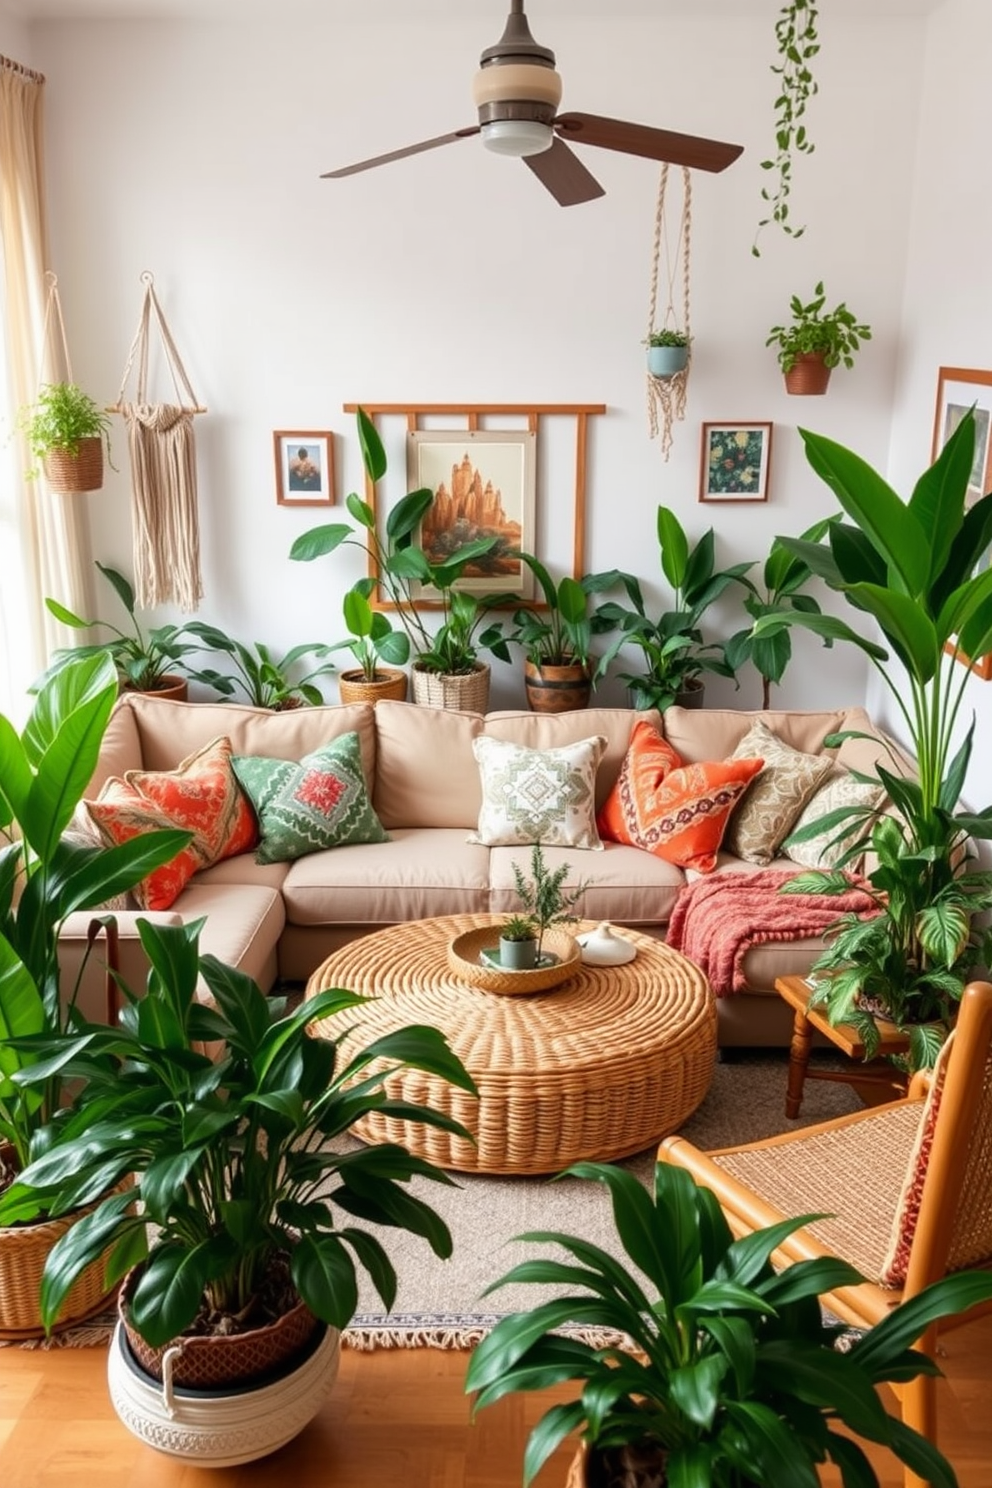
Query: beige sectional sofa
x: 283, y: 919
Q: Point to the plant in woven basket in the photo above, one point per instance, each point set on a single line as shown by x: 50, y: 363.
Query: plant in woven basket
x: 372, y: 639
x: 61, y: 416
x: 235, y: 1161
x: 731, y: 1378
x: 543, y: 895
x: 146, y: 661
x: 267, y: 682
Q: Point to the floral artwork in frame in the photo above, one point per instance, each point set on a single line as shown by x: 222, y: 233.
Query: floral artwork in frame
x: 958, y: 390
x: 484, y: 484
x: 734, y: 461
x: 304, y: 468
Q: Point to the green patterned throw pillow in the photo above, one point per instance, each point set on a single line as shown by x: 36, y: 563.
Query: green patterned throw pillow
x: 538, y: 795
x: 303, y: 806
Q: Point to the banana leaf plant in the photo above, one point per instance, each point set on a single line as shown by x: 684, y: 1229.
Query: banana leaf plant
x: 234, y: 1160
x: 44, y: 877
x: 673, y: 651
x: 917, y: 568
x: 732, y: 1377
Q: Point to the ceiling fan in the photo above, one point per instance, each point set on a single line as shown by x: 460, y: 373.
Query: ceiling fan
x: 517, y: 92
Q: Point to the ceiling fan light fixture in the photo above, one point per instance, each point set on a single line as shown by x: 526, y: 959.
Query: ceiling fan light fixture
x: 517, y: 136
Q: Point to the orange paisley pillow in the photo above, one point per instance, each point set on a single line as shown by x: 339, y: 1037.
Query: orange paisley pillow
x: 677, y: 811
x: 201, y: 795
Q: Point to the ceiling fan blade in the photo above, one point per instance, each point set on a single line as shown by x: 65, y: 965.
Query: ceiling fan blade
x: 656, y: 144
x: 563, y: 173
x: 431, y: 144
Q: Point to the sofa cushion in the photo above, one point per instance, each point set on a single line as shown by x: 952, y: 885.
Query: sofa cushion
x: 201, y: 795
x: 762, y: 818
x: 242, y: 929
x: 419, y: 873
x: 426, y: 774
x: 621, y: 884
x: 538, y: 795
x: 120, y: 747
x: 714, y: 733
x: 827, y: 848
x: 676, y: 811
x: 317, y: 802
x: 554, y: 730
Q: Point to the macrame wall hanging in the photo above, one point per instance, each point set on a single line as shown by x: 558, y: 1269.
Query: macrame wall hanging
x: 163, y: 473
x: 667, y: 394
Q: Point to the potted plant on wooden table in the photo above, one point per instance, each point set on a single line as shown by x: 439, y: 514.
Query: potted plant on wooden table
x: 557, y: 642
x: 814, y: 342
x: 242, y: 1262
x: 730, y: 1377
x: 45, y: 876
x: 146, y: 661
x: 917, y: 568
x: 265, y: 680
x: 675, y: 656
x: 447, y: 671
x: 67, y: 432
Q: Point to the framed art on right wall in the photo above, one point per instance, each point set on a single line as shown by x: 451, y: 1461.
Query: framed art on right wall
x: 958, y: 390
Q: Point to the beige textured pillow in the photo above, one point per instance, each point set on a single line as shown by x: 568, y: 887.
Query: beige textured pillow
x: 821, y: 851
x: 774, y: 798
x: 538, y: 795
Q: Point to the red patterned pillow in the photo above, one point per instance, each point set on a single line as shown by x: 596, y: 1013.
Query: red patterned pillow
x: 895, y: 1265
x: 202, y: 795
x: 678, y: 812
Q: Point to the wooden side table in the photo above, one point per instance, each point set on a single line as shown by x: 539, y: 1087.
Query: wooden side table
x: 877, y: 1074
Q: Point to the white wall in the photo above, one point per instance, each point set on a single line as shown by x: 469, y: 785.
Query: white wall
x: 194, y: 150
x: 947, y: 313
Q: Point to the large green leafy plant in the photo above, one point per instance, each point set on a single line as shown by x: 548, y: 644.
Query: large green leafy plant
x: 400, y: 567
x: 235, y: 1159
x: 45, y: 876
x: 561, y: 633
x: 916, y: 568
x: 734, y: 1378
x: 673, y: 651
x: 144, y: 659
x: 267, y: 681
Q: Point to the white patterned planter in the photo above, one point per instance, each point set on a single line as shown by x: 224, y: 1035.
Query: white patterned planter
x: 213, y: 1428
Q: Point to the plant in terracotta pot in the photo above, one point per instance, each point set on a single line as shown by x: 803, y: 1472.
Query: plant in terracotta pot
x: 557, y: 642
x: 668, y: 352
x: 731, y: 1378
x: 45, y: 875
x: 265, y: 681
x: 674, y: 654
x: 252, y: 1210
x: 67, y: 432
x: 146, y: 661
x: 815, y: 341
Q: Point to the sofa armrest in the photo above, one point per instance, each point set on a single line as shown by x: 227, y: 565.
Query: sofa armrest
x: 78, y: 962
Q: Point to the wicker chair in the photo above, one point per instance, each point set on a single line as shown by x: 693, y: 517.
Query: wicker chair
x: 858, y: 1168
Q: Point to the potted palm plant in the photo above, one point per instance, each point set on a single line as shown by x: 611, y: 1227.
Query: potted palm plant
x: 45, y: 875
x: 557, y: 642
x: 675, y: 656
x: 732, y: 1378
x: 146, y: 661
x: 67, y: 432
x: 815, y: 341
x: 917, y: 568
x: 265, y: 680
x: 242, y: 1261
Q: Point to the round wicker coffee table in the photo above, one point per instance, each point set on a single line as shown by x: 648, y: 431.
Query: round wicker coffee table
x: 605, y: 1065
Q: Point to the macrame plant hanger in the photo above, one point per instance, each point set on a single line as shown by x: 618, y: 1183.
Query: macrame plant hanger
x: 163, y: 473
x: 666, y: 395
x: 67, y: 472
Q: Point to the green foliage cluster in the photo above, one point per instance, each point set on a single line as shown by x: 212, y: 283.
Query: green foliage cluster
x: 666, y: 338
x: 63, y: 415
x: 836, y: 335
x: 143, y: 659
x: 561, y: 633
x: 797, y: 43
x: 544, y: 896
x: 265, y: 680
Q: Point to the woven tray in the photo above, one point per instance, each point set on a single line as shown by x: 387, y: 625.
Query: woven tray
x: 463, y: 958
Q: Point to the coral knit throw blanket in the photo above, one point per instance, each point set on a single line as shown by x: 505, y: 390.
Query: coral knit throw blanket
x: 716, y: 920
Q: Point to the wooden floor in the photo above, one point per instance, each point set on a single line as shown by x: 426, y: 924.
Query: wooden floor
x: 396, y: 1419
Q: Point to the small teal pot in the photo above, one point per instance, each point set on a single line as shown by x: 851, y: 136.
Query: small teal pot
x: 663, y: 361
x: 517, y: 955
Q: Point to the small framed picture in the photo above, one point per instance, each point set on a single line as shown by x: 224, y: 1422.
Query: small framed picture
x: 734, y: 462
x: 304, y: 468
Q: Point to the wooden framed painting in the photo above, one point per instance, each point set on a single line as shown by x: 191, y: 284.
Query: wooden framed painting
x: 958, y: 390
x: 484, y: 485
x: 734, y: 461
x: 304, y: 468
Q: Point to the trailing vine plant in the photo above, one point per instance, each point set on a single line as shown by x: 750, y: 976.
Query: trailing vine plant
x: 798, y: 43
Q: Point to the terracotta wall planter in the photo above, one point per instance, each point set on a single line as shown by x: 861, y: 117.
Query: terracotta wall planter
x: 808, y: 375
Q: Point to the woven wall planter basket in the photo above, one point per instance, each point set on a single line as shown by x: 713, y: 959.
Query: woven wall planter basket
x: 69, y: 474
x: 464, y: 692
x: 354, y: 687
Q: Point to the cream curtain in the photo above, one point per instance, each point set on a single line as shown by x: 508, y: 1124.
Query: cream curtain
x: 44, y: 548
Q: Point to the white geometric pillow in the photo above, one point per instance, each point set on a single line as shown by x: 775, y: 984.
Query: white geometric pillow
x: 538, y: 795
x: 821, y: 851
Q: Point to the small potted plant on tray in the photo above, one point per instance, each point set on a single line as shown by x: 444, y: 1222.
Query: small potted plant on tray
x: 544, y: 897
x: 730, y: 1377
x: 67, y: 432
x: 668, y: 352
x: 815, y: 342
x: 518, y: 943
x: 242, y: 1260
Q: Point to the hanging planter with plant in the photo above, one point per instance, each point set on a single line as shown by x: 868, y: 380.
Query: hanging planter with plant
x: 797, y: 43
x: 813, y: 343
x: 669, y: 346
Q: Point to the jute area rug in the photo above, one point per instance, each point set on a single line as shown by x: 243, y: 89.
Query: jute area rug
x: 440, y: 1304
